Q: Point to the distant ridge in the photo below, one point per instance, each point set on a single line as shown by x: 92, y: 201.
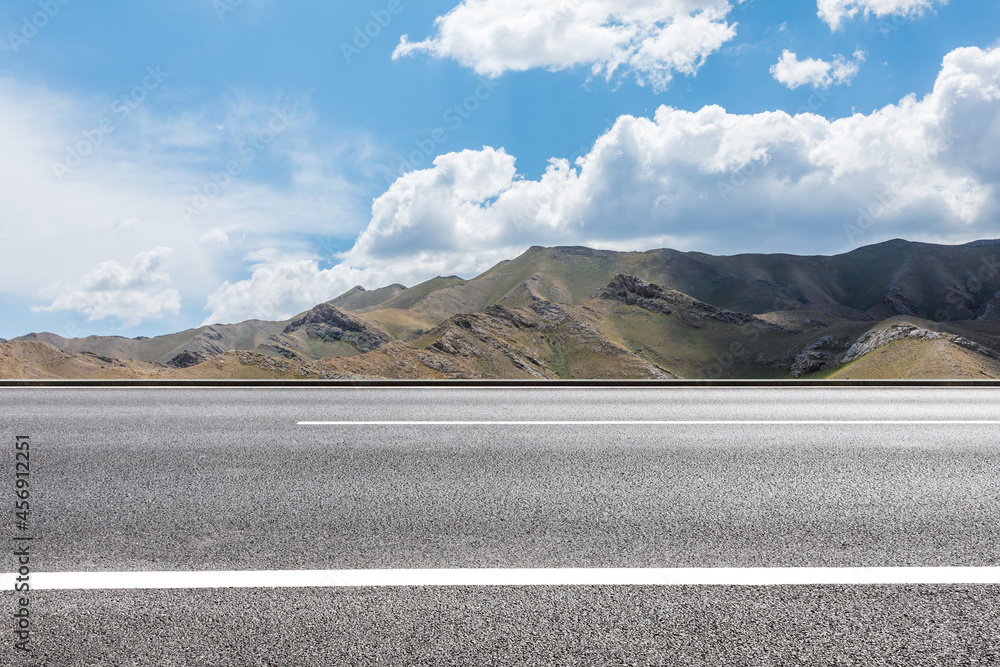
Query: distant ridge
x: 359, y: 298
x: 901, y: 308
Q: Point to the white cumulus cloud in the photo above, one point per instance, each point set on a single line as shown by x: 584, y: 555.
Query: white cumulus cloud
x: 654, y: 39
x: 281, y: 288
x: 833, y: 12
x: 130, y: 293
x: 722, y: 181
x: 792, y: 72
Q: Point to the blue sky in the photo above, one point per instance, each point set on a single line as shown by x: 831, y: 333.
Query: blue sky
x: 167, y: 164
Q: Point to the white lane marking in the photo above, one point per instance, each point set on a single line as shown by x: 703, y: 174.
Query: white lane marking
x: 795, y: 576
x: 755, y: 422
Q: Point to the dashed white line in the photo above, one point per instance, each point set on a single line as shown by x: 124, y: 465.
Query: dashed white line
x: 796, y: 576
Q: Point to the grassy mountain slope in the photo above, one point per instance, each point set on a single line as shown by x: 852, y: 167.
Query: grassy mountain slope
x: 895, y: 277
x: 34, y: 359
x: 406, y: 300
x: 918, y: 360
x: 401, y: 324
x: 543, y: 340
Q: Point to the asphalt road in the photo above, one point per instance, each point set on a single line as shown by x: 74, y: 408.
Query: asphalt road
x: 227, y: 479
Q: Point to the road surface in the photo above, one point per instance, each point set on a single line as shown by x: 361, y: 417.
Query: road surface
x: 130, y: 482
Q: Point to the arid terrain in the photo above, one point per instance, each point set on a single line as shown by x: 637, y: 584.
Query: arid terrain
x: 893, y: 310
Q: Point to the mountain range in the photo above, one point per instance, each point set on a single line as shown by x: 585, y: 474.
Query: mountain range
x: 892, y: 310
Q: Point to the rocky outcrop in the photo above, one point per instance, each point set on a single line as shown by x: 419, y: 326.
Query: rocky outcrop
x: 289, y: 367
x: 206, y: 343
x: 487, y: 341
x: 187, y: 359
x: 516, y: 317
x: 263, y: 361
x: 634, y: 291
x: 328, y: 323
x: 821, y: 354
x: 454, y: 344
x: 990, y: 311
x: 877, y: 338
x: 277, y: 347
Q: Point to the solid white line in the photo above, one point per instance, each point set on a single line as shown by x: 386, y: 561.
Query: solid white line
x: 796, y: 576
x: 596, y: 384
x: 724, y: 422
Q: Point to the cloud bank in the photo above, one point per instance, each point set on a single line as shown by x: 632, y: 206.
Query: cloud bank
x: 653, y: 39
x: 834, y: 12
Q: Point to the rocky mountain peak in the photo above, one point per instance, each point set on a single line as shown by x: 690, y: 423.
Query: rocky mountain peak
x: 325, y: 314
